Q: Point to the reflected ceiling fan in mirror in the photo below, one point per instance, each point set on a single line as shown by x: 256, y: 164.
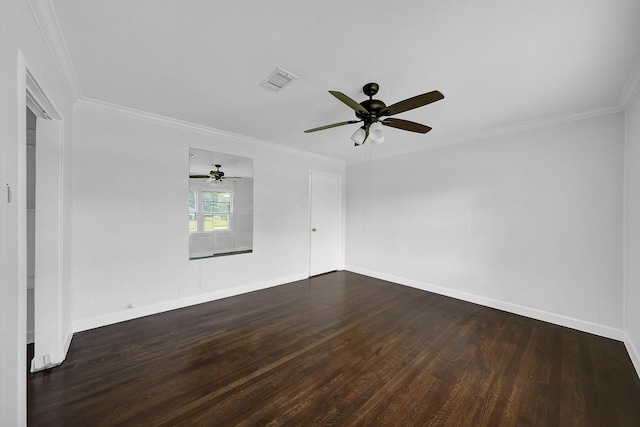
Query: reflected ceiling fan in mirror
x: 215, y: 176
x: 373, y: 113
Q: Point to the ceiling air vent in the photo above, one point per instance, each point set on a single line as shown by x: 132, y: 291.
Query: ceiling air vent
x: 278, y: 80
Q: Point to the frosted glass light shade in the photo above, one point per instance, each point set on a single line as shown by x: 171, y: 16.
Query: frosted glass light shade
x: 358, y: 136
x: 376, y: 134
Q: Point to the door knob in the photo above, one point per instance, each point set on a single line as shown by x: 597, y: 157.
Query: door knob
x: 313, y: 229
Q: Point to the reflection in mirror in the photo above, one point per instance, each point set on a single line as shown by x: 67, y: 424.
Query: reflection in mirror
x: 220, y: 204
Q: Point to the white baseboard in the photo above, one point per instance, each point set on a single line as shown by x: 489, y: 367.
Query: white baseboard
x: 134, y: 313
x: 634, y: 355
x: 558, y: 319
x: 67, y: 343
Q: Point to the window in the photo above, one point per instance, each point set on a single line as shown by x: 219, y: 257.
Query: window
x: 193, y: 224
x: 211, y: 213
x: 216, y: 207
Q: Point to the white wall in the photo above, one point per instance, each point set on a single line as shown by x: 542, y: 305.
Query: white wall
x: 12, y: 384
x: 19, y: 33
x: 529, y: 222
x: 130, y: 217
x: 632, y: 230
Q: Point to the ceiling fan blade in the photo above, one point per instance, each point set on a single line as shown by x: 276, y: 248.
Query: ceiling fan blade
x: 411, y: 103
x: 332, y: 126
x: 406, y: 125
x: 199, y: 176
x: 350, y: 102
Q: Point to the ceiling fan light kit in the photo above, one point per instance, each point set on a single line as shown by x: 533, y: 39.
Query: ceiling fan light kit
x: 373, y: 113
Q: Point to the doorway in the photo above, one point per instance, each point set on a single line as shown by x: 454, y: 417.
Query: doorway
x: 41, y: 195
x: 324, y: 222
x: 31, y: 222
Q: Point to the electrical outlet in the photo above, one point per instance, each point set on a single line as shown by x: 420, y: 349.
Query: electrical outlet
x: 485, y: 287
x: 180, y: 288
x: 46, y: 359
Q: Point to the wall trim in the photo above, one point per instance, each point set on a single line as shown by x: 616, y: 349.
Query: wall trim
x: 66, y: 343
x: 634, y: 355
x: 137, y: 312
x: 499, y: 131
x: 625, y: 185
x: 545, y: 316
x: 193, y: 127
x: 631, y: 87
x: 47, y: 21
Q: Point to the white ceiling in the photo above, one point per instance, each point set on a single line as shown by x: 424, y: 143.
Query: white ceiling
x: 499, y: 63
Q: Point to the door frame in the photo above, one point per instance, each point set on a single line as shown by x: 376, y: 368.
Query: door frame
x: 340, y: 248
x: 50, y: 340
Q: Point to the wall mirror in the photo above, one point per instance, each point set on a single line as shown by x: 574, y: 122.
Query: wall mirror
x: 220, y: 204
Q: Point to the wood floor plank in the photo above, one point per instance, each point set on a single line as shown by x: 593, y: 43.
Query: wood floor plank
x: 337, y: 349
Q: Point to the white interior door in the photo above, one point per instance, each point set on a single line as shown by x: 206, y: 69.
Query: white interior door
x: 324, y: 222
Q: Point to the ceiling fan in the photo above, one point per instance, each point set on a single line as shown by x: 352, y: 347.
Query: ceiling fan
x: 374, y: 113
x: 216, y: 175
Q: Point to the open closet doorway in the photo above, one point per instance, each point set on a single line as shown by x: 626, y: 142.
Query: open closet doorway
x: 31, y: 226
x: 42, y: 192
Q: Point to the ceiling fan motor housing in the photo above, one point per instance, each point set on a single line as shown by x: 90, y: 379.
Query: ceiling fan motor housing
x: 374, y: 107
x: 218, y: 174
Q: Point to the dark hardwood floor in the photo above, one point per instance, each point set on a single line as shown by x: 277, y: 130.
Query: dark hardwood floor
x: 338, y: 349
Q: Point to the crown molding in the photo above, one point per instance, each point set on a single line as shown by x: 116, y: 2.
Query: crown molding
x: 632, y: 87
x: 505, y: 130
x: 47, y: 21
x: 193, y: 127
